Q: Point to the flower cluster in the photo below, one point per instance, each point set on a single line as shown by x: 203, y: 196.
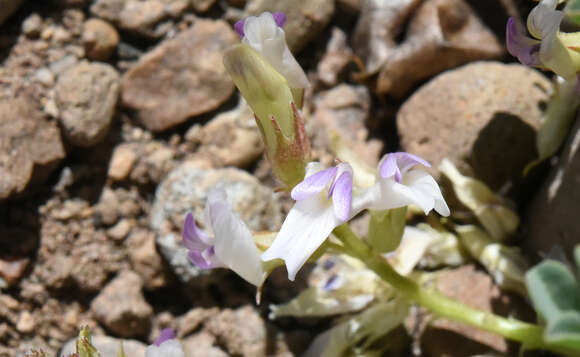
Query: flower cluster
x: 325, y: 199
x: 548, y: 48
x: 272, y: 81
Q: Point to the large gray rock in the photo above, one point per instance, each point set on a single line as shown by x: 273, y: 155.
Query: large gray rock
x: 305, y: 18
x: 185, y: 190
x: 86, y: 96
x: 553, y: 215
x: 182, y: 77
x: 482, y: 116
x: 30, y: 146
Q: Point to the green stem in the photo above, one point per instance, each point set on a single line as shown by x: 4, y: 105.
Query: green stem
x: 531, y: 335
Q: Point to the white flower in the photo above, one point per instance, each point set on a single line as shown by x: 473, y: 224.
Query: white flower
x: 265, y: 35
x: 398, y: 186
x: 323, y: 202
x: 232, y: 245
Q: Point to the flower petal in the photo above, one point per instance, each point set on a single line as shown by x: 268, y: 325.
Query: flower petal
x: 425, y: 184
x: 397, y: 163
x: 239, y: 27
x: 193, y: 237
x: 520, y: 45
x: 280, y: 18
x: 170, y: 348
x: 234, y: 243
x: 166, y: 334
x: 342, y: 196
x: 313, y: 184
x: 204, y: 259
x: 544, y: 19
x: 306, y: 227
x: 265, y: 36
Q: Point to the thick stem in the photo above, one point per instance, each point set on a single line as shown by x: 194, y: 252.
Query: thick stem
x: 532, y: 336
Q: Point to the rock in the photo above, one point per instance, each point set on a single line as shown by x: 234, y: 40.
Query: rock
x: 202, y: 5
x: 305, y: 18
x: 476, y: 289
x: 108, y: 346
x: 185, y: 190
x: 25, y: 322
x: 30, y: 146
x: 230, y: 139
x: 7, y: 8
x: 120, y: 230
x: 243, y: 332
x: 443, y: 34
x: 32, y: 25
x: 122, y: 162
x: 145, y: 260
x: 482, y: 116
x: 344, y: 110
x: 100, y: 39
x: 202, y: 344
x: 182, y: 77
x: 552, y: 216
x: 86, y: 95
x: 11, y: 270
x: 338, y: 55
x: 440, y: 34
x: 108, y: 206
x: 121, y: 307
x: 143, y: 17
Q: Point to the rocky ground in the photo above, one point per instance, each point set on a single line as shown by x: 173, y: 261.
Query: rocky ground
x: 117, y: 116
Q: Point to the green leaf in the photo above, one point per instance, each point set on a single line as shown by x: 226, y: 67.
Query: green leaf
x: 553, y: 289
x: 564, y: 330
x: 386, y: 229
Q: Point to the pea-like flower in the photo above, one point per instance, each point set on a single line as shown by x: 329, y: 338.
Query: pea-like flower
x: 165, y: 346
x: 323, y: 202
x: 272, y: 82
x: 548, y: 48
x: 265, y: 35
x: 398, y: 186
x: 232, y: 245
x: 326, y: 198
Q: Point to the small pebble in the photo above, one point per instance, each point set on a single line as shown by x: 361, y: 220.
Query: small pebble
x: 32, y: 25
x: 45, y: 76
x: 25, y: 322
x: 100, y: 39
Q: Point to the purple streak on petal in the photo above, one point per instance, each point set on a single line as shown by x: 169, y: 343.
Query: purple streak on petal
x: 193, y: 237
x: 333, y: 283
x: 519, y: 45
x: 313, y: 184
x: 166, y: 334
x: 205, y: 259
x: 406, y: 161
x: 342, y: 196
x: 239, y: 27
x: 280, y: 18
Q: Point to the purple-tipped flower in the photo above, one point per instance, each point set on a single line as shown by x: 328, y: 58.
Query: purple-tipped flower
x: 165, y: 346
x: 547, y: 47
x: 398, y: 186
x: 323, y: 202
x: 232, y: 245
